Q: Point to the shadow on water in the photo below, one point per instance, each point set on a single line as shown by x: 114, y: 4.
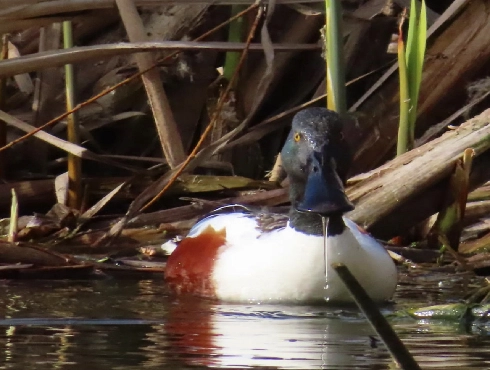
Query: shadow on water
x: 136, y: 324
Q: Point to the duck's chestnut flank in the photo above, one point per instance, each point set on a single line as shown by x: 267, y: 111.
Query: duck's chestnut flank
x: 189, y: 269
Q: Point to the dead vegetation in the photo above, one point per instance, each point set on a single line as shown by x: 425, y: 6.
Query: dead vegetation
x: 166, y: 138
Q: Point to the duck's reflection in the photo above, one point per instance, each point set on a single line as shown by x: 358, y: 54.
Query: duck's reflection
x: 209, y: 334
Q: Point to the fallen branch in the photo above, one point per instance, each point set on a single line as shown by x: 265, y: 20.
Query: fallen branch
x: 409, y: 188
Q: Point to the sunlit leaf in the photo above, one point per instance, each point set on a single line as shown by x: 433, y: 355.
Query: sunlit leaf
x: 416, y: 62
x: 14, y: 218
x: 336, y: 94
x: 411, y: 62
x: 404, y: 136
x: 453, y: 311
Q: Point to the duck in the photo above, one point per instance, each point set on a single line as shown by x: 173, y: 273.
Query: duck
x: 233, y: 256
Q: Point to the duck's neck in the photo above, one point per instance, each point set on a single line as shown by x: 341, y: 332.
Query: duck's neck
x: 307, y: 223
x: 312, y: 223
x: 336, y: 225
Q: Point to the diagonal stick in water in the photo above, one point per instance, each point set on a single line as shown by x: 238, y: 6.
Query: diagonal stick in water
x: 379, y: 323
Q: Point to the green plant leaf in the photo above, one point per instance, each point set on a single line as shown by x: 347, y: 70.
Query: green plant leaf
x: 411, y: 31
x: 235, y: 34
x: 416, y: 43
x: 336, y: 94
x: 452, y: 311
x: 404, y: 143
x: 410, y: 61
x: 419, y: 54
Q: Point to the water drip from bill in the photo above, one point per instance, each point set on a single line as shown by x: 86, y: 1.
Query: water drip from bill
x: 325, y: 256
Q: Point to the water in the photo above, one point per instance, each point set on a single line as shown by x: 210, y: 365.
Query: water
x: 110, y: 324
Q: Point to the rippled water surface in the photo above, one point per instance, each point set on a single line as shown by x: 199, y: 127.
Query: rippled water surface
x: 111, y: 324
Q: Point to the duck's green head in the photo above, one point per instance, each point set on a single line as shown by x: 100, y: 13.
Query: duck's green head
x: 316, y: 158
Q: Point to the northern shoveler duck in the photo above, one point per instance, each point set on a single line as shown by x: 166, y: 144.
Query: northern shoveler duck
x: 230, y: 257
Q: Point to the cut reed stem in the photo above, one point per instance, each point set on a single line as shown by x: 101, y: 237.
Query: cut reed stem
x: 73, y: 131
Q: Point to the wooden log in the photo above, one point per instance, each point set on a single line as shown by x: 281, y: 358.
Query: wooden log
x: 29, y: 254
x: 476, y: 210
x: 410, y: 188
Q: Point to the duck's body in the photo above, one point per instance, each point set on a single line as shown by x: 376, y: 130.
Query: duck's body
x: 232, y: 257
x: 281, y: 265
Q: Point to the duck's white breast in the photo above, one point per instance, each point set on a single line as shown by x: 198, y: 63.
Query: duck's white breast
x: 366, y: 259
x: 281, y: 265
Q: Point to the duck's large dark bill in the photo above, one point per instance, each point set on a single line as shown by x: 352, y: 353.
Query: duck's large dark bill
x: 324, y: 192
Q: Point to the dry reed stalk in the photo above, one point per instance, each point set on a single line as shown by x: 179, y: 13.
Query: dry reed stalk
x: 169, y: 136
x: 39, y: 61
x: 22, y: 9
x: 45, y: 90
x: 3, y: 126
x: 73, y: 129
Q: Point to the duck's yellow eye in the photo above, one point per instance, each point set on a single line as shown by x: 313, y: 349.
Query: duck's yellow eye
x: 297, y: 137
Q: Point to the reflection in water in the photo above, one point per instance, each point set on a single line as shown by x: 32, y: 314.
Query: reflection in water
x: 237, y: 335
x: 125, y: 325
